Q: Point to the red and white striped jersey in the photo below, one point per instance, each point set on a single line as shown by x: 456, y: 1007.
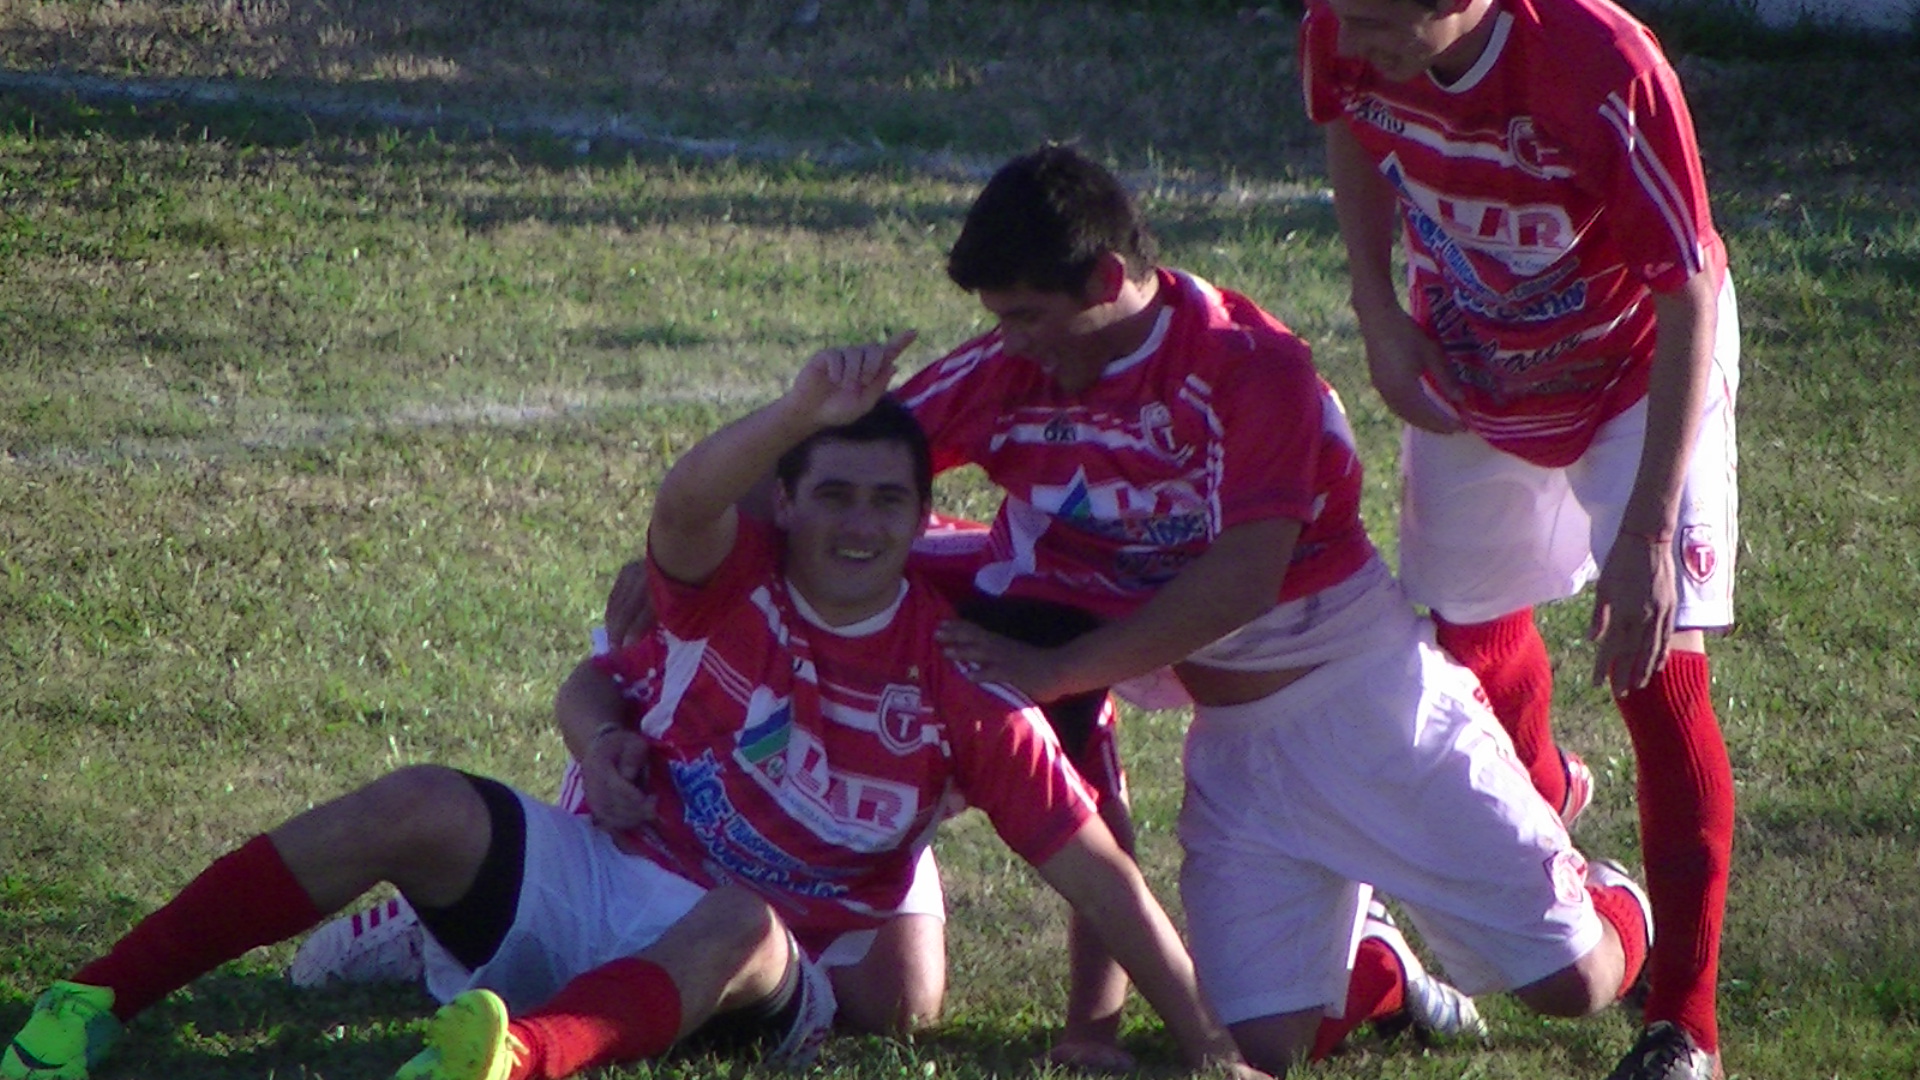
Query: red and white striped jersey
x: 811, y: 764
x: 1219, y: 419
x: 1544, y: 197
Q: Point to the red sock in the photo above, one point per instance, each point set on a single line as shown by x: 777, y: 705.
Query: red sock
x: 1621, y: 908
x: 247, y: 898
x: 1686, y: 835
x: 621, y: 1011
x: 1377, y: 989
x: 1511, y: 660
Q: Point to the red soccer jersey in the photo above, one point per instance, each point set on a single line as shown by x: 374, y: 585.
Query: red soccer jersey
x: 1544, y: 196
x: 1217, y: 420
x: 812, y: 765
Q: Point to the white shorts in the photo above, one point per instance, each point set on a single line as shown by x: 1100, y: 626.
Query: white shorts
x: 1382, y: 770
x: 1483, y: 533
x: 583, y: 902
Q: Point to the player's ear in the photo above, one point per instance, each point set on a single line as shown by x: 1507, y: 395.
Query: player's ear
x: 1108, y: 278
x: 782, y: 505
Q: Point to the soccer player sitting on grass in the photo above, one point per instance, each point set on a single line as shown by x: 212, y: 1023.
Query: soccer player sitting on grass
x: 806, y: 740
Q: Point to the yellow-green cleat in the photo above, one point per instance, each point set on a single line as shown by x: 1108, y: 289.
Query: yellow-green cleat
x: 69, y: 1033
x: 466, y: 1040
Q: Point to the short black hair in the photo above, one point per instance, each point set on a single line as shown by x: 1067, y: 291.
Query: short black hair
x: 1043, y: 222
x: 887, y: 421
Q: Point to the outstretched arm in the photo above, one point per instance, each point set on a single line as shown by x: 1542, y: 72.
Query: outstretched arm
x: 694, y: 517
x: 1105, y: 887
x: 1216, y: 594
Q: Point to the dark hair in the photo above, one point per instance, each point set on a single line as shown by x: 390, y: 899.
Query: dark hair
x: 1044, y: 221
x: 887, y: 421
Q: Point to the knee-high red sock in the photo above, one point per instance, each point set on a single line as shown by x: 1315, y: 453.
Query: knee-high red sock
x: 1376, y: 990
x: 247, y: 898
x: 1621, y: 908
x: 1511, y: 660
x: 621, y: 1011
x: 1686, y: 834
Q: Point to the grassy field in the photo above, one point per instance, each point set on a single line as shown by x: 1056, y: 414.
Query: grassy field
x: 341, y: 346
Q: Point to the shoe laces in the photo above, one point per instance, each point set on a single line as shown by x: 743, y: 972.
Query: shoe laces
x: 1665, y: 1047
x: 71, y: 999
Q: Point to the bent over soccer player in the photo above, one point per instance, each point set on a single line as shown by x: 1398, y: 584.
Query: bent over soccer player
x: 1171, y: 458
x: 807, y: 739
x: 1566, y: 362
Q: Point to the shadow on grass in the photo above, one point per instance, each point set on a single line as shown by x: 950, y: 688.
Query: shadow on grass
x: 442, y: 160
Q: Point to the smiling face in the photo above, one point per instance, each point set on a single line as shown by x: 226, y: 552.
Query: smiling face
x: 850, y: 517
x: 1401, y: 39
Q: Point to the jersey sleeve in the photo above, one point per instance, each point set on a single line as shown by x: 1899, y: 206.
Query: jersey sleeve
x: 951, y: 398
x: 1656, y: 190
x: 1320, y: 65
x: 1272, y: 415
x: 692, y: 610
x: 1010, y: 766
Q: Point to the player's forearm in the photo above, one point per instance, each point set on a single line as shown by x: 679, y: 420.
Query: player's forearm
x: 1105, y: 888
x: 587, y: 706
x: 1368, y: 214
x: 724, y: 467
x: 1677, y: 391
x: 1232, y: 584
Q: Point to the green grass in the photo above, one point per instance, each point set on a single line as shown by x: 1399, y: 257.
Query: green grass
x: 320, y: 440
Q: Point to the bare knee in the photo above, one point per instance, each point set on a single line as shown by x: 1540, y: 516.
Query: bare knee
x: 1583, y: 987
x: 901, y: 984
x: 745, y: 941
x: 734, y: 919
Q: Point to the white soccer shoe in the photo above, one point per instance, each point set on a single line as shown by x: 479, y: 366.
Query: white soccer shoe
x: 1434, y: 1007
x: 381, y: 944
x: 1579, y: 788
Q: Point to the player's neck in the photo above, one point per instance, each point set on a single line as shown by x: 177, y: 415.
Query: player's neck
x: 1476, y: 23
x: 1131, y: 320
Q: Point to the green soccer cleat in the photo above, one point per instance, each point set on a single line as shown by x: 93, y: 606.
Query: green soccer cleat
x: 466, y: 1040
x: 69, y: 1033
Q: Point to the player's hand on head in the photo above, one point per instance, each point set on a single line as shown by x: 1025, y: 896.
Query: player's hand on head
x: 1410, y: 372
x: 1634, y: 605
x: 612, y: 770
x: 838, y: 385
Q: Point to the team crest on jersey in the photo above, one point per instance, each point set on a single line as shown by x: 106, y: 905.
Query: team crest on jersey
x: 1156, y: 428
x: 1060, y: 429
x: 1529, y: 154
x: 901, y: 719
x: 1698, y: 553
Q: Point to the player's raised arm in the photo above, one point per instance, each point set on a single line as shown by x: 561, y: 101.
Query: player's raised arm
x: 694, y: 517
